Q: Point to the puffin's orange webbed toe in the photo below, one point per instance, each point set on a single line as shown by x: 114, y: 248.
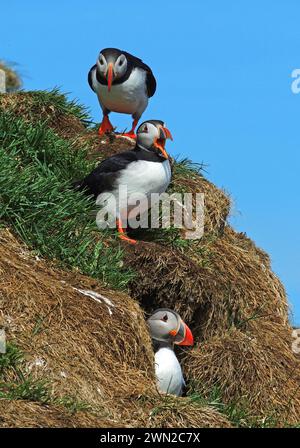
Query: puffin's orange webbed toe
x: 105, y: 126
x: 122, y: 234
x: 123, y: 237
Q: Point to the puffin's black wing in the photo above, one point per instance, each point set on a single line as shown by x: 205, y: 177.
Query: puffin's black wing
x: 90, y: 77
x: 104, y: 177
x: 150, y: 79
x: 151, y: 84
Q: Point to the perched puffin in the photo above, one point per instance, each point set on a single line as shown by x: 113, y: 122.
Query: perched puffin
x: 143, y: 170
x: 123, y: 83
x: 166, y: 329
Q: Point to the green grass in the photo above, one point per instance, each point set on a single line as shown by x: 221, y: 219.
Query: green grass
x: 37, y: 169
x: 27, y: 389
x: 72, y: 404
x: 11, y: 359
x: 16, y: 383
x: 54, y: 98
x: 42, y: 103
x: 187, y: 168
x: 236, y: 412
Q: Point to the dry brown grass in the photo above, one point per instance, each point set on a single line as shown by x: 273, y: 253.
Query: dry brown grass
x: 24, y: 414
x: 224, y: 282
x: 238, y: 312
x: 216, y: 202
x: 255, y: 368
x: 95, y: 351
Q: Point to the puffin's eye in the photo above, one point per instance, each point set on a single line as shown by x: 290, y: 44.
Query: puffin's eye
x: 145, y: 129
x: 165, y: 318
x: 101, y: 61
x: 121, y: 62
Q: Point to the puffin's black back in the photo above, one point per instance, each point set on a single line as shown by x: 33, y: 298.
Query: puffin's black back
x: 150, y: 80
x: 104, y: 177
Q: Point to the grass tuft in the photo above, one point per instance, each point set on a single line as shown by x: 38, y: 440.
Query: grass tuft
x: 16, y: 383
x: 187, y: 168
x: 55, y: 99
x: 37, y: 168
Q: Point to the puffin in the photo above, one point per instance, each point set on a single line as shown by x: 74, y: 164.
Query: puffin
x: 166, y: 329
x: 124, y: 84
x: 143, y: 170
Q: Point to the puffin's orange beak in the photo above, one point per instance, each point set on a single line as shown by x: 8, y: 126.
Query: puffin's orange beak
x: 110, y: 75
x: 183, y: 335
x: 167, y: 133
x: 188, y: 338
x: 161, y: 141
x: 160, y: 144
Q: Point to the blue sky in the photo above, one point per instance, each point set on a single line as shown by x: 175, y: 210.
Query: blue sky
x: 224, y: 89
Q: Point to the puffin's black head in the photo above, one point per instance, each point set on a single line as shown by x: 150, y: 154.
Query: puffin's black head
x: 112, y: 64
x: 152, y: 135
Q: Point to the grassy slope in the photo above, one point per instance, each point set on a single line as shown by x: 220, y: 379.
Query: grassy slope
x: 37, y: 166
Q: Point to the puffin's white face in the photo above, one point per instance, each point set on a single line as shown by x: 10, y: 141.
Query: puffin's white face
x: 120, y: 66
x: 153, y: 134
x: 161, y: 324
x: 112, y: 68
x: 167, y: 326
x: 147, y: 134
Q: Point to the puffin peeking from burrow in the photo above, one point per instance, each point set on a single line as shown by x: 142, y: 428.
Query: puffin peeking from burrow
x: 143, y: 170
x: 166, y: 329
x: 123, y: 83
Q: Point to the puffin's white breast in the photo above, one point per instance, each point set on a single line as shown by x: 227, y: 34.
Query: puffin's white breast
x: 140, y: 178
x: 168, y: 372
x: 128, y: 97
x: 146, y: 177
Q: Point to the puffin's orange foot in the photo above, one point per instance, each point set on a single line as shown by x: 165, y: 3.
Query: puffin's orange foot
x: 122, y: 234
x: 127, y: 134
x: 105, y: 126
x: 124, y: 237
x: 131, y: 133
